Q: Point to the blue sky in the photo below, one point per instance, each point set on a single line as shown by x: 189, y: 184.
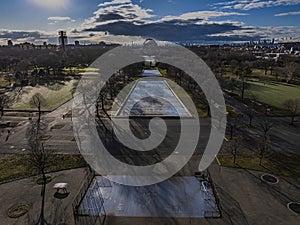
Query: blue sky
x: 132, y: 20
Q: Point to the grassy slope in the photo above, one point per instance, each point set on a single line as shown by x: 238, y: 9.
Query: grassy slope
x: 54, y: 98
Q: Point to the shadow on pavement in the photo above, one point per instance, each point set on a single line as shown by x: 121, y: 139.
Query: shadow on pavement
x: 60, y: 195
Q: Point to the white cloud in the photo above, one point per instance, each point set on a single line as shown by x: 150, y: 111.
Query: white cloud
x: 124, y: 12
x: 268, y: 31
x: 288, y: 14
x: 254, y: 4
x: 59, y: 18
x: 205, y: 15
x: 114, y: 2
x: 51, y: 4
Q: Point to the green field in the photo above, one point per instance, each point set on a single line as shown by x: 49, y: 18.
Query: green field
x: 16, y: 166
x: 273, y: 94
x: 55, y: 96
x: 275, y: 163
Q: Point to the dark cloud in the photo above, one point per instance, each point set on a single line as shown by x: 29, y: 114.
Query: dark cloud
x: 19, y: 34
x: 132, y: 20
x: 175, y: 30
x: 108, y: 17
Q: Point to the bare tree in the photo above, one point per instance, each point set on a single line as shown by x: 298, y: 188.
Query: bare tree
x: 39, y: 158
x: 250, y: 113
x: 290, y: 71
x: 293, y: 106
x: 232, y: 125
x: 38, y: 101
x: 3, y: 103
x: 234, y: 121
x: 241, y: 85
x: 251, y: 109
x: 99, y: 119
x: 264, y: 139
x: 234, y: 146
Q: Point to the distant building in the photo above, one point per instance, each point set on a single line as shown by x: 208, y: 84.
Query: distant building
x: 9, y: 43
x: 63, y: 40
x: 293, y: 44
x: 77, y: 44
x: 26, y: 46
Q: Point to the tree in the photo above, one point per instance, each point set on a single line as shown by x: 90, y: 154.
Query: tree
x: 265, y: 65
x: 38, y: 101
x: 251, y: 109
x: 293, y: 106
x: 39, y: 158
x: 3, y: 103
x: 247, y: 71
x: 233, y: 121
x: 264, y: 139
x: 291, y: 70
x: 234, y: 146
x: 241, y: 85
x: 250, y: 113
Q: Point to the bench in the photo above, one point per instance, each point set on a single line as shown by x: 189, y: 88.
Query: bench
x: 61, y: 186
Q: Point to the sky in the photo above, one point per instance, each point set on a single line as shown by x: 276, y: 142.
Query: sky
x: 127, y: 21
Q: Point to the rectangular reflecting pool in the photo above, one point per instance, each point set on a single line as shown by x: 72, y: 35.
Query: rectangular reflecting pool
x: 152, y: 97
x: 177, y: 197
x: 151, y: 73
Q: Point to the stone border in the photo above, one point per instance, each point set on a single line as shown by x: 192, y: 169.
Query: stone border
x: 289, y: 207
x: 18, y: 210
x: 269, y: 182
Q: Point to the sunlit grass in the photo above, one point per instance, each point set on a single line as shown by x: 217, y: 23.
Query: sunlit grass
x: 273, y: 94
x: 54, y: 97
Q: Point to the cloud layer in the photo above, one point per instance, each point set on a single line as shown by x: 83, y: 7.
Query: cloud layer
x: 123, y: 21
x: 254, y: 4
x: 125, y: 18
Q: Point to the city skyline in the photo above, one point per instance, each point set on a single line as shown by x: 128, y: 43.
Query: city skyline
x: 126, y: 21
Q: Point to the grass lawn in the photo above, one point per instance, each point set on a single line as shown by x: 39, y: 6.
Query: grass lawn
x: 3, y: 82
x: 55, y: 96
x: 276, y: 163
x: 273, y: 94
x: 16, y: 166
x: 163, y: 72
x: 80, y: 69
x: 259, y: 72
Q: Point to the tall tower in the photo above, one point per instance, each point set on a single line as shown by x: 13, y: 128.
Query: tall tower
x: 9, y: 43
x: 63, y: 39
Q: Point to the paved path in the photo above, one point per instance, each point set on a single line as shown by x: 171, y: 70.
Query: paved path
x: 60, y: 111
x: 59, y: 136
x: 245, y: 200
x: 283, y: 136
x: 58, y: 208
x: 259, y: 202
